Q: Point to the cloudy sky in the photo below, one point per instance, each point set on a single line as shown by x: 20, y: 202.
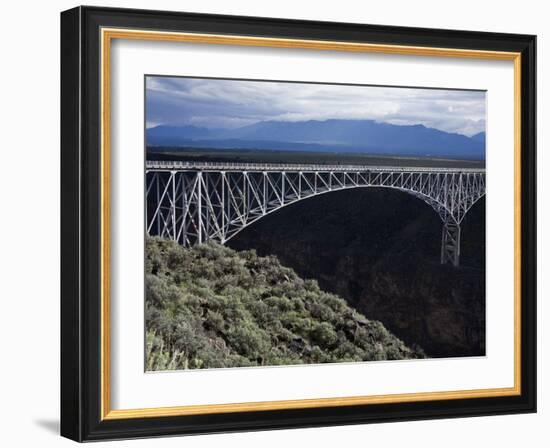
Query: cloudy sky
x: 215, y: 103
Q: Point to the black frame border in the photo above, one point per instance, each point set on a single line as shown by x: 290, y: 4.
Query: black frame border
x: 81, y: 223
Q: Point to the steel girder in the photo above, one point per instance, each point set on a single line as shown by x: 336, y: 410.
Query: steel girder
x: 192, y: 203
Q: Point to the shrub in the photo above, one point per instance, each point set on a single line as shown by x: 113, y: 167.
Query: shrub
x: 211, y: 306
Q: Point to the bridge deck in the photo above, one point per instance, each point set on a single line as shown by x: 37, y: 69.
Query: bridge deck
x: 225, y: 166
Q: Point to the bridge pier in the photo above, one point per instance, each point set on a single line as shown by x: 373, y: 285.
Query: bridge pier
x: 450, y: 242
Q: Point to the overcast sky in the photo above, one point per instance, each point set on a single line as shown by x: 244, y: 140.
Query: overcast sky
x: 215, y: 103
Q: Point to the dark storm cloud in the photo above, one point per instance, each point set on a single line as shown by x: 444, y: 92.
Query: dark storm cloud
x: 230, y: 104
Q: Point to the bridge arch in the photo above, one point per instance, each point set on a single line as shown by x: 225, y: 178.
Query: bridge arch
x: 432, y: 204
x: 193, y: 203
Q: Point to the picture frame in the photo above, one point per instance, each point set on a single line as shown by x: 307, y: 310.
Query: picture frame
x: 87, y: 35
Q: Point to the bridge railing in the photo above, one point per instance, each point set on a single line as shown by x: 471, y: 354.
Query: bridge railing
x: 230, y: 166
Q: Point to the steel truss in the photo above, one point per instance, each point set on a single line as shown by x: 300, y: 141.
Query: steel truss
x: 192, y: 203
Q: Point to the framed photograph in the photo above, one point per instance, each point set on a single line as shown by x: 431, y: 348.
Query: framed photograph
x: 276, y: 224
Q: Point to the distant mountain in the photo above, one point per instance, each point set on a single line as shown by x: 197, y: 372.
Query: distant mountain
x: 175, y: 135
x: 350, y: 136
x: 479, y: 137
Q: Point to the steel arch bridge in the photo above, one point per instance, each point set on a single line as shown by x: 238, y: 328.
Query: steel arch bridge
x: 192, y: 203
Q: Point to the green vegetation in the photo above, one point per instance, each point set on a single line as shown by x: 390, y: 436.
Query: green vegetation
x: 211, y: 306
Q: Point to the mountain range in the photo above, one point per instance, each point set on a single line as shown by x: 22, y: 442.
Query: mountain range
x: 334, y: 135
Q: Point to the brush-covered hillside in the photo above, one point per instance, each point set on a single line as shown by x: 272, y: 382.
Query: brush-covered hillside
x: 211, y: 306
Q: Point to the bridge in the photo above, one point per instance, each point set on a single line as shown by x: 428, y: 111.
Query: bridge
x: 195, y: 202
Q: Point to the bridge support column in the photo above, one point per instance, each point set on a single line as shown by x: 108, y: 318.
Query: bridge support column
x: 450, y: 242
x: 199, y: 207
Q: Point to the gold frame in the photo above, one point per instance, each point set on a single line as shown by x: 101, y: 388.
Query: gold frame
x: 107, y: 35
